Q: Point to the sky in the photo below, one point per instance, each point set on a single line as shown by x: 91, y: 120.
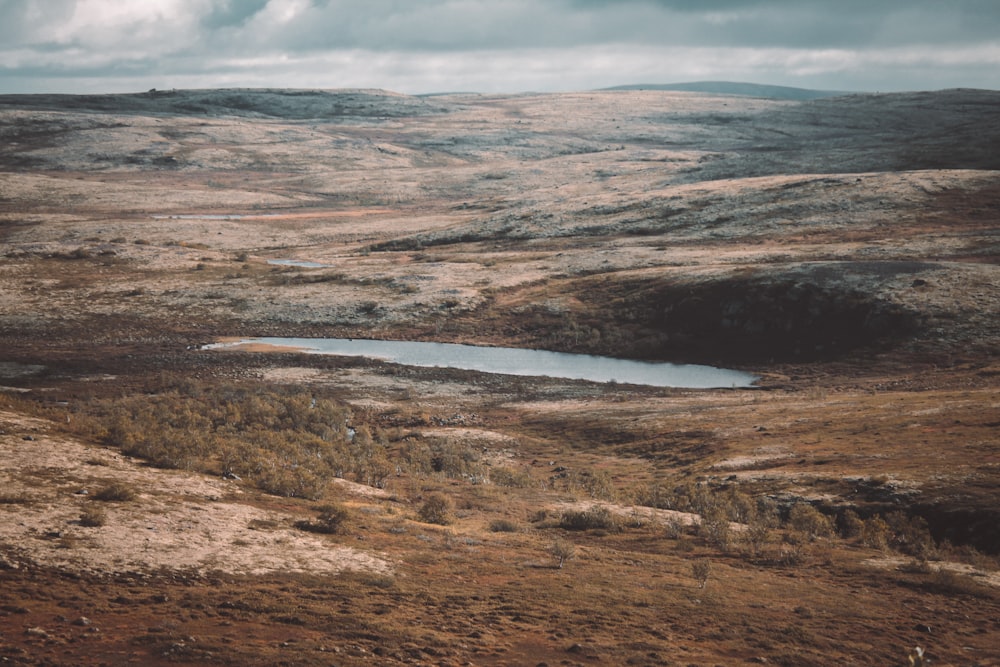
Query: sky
x: 510, y: 46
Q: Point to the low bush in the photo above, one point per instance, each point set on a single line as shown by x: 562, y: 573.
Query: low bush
x: 595, y: 518
x: 504, y: 526
x: 875, y: 533
x: 286, y: 441
x: 562, y: 552
x: 701, y: 570
x: 93, y: 517
x: 850, y: 524
x: 714, y: 527
x: 331, y: 519
x: 115, y: 491
x: 509, y: 477
x: 674, y: 528
x: 910, y: 535
x: 437, y: 508
x: 809, y: 521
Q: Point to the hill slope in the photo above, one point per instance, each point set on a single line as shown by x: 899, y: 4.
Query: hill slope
x: 733, y: 88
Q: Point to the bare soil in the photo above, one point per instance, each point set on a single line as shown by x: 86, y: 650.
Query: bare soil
x: 844, y: 249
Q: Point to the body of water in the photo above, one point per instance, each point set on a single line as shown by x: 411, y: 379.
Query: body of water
x: 515, y: 361
x: 298, y: 262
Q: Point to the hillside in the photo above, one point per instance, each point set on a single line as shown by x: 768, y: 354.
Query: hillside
x: 737, y: 88
x: 165, y: 502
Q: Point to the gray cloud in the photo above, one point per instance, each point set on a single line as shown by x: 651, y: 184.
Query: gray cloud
x: 22, y: 20
x: 227, y: 13
x: 426, y: 45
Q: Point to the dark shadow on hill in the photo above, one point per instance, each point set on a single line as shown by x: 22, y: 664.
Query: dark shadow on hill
x: 818, y: 314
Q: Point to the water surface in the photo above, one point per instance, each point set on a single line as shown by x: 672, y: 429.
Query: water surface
x: 298, y: 262
x: 514, y: 361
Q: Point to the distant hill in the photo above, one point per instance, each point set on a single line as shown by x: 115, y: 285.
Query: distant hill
x: 730, y: 88
x: 238, y: 102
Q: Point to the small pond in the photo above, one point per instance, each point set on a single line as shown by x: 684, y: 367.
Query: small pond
x: 514, y: 361
x: 298, y: 262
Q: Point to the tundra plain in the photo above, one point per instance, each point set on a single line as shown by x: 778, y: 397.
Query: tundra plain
x: 167, y: 504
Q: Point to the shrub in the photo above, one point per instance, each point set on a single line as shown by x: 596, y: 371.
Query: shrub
x: 562, y: 551
x: 599, y: 518
x: 851, y: 525
x: 701, y: 570
x: 875, y: 533
x: 330, y: 520
x: 597, y: 484
x: 285, y: 441
x: 116, y: 491
x: 437, y: 508
x: 809, y: 521
x: 93, y: 517
x: 714, y: 527
x: 910, y: 535
x: 791, y: 555
x: 504, y: 526
x: 757, y: 535
x: 504, y: 476
x: 674, y: 528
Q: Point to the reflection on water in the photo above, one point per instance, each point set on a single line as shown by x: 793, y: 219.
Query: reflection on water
x: 297, y: 262
x: 514, y: 361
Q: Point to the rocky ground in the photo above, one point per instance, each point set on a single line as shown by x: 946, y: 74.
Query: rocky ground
x: 845, y: 249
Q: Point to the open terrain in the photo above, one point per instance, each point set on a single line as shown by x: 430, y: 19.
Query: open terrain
x: 161, y: 503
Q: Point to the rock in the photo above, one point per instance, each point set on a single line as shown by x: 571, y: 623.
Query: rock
x: 920, y: 627
x: 37, y: 632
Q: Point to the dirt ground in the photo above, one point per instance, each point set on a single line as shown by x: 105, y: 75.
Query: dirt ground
x: 845, y: 250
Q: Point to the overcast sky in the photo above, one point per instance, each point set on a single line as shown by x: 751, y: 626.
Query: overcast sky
x: 422, y: 46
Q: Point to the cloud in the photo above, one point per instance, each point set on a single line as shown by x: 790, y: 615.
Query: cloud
x: 229, y: 13
x: 426, y: 45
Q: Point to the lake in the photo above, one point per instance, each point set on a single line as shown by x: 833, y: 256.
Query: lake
x: 515, y: 361
x: 298, y: 262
